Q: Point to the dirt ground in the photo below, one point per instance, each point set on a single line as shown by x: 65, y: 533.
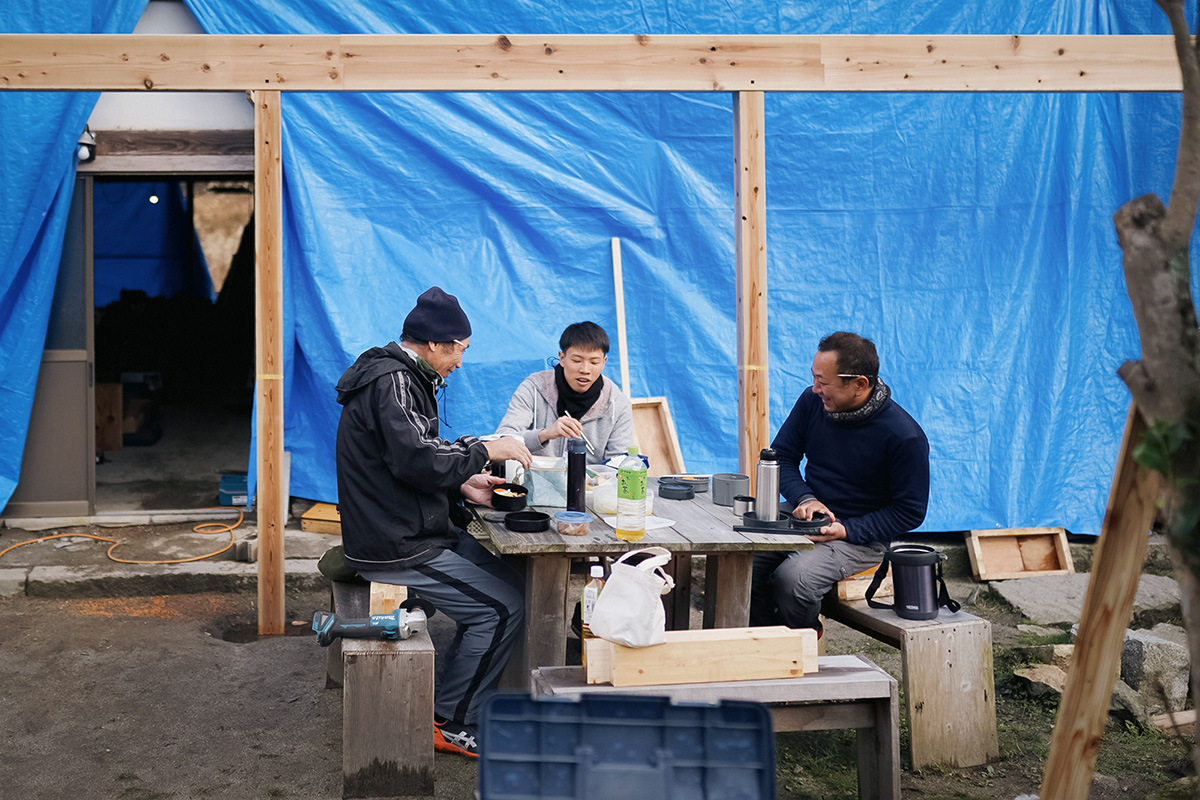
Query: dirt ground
x: 141, y: 698
x: 175, y: 697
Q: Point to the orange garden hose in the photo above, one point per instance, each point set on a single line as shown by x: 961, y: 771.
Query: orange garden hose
x: 203, y: 527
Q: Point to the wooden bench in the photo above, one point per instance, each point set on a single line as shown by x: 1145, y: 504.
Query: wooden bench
x: 846, y: 692
x: 387, y: 701
x: 948, y: 679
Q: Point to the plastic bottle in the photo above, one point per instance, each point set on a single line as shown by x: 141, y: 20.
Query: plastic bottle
x: 590, y: 592
x: 631, y: 498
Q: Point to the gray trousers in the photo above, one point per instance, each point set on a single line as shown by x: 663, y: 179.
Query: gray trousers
x: 486, y: 597
x: 788, y: 587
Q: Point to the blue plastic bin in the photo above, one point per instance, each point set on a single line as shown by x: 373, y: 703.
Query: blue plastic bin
x: 611, y: 747
x: 232, y: 490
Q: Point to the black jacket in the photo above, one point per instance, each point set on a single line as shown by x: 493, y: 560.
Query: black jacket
x: 395, y: 474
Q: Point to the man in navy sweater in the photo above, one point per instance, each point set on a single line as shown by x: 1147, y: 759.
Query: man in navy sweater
x: 868, y: 470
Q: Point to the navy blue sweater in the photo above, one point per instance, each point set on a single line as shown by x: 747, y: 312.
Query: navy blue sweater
x: 874, y: 475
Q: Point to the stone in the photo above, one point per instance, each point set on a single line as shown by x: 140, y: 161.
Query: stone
x: 1172, y: 633
x: 12, y: 581
x: 1058, y: 655
x: 1039, y: 630
x: 1058, y: 599
x: 1042, y: 679
x: 1157, y: 669
x: 1126, y: 706
x: 1182, y: 789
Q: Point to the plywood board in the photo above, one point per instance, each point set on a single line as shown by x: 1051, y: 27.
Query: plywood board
x: 1019, y: 553
x: 322, y: 518
x: 704, y: 656
x: 656, y: 436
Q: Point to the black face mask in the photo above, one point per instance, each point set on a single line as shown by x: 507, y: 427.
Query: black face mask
x: 572, y: 402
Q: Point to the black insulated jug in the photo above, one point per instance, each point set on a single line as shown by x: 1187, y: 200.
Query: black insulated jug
x: 920, y: 589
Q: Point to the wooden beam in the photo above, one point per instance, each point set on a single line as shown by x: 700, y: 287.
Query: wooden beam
x: 587, y: 62
x: 174, y: 152
x: 1107, y: 608
x: 750, y: 252
x: 1000, y: 63
x: 175, y: 143
x: 268, y: 329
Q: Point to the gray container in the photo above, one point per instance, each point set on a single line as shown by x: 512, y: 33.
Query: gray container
x: 726, y: 486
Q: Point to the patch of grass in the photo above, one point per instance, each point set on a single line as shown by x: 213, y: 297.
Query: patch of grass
x: 268, y: 755
x: 816, y: 765
x: 276, y: 793
x: 989, y: 602
x: 1158, y: 756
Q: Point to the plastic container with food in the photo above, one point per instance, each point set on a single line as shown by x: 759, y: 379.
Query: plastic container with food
x: 573, y: 523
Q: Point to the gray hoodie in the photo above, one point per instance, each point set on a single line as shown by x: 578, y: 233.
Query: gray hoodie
x: 608, y: 424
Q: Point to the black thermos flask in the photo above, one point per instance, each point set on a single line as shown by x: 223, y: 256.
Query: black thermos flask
x: 576, y: 475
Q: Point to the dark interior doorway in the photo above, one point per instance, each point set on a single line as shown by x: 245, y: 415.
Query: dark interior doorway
x: 174, y: 339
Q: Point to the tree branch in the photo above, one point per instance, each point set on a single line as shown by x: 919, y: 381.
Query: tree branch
x: 1185, y: 193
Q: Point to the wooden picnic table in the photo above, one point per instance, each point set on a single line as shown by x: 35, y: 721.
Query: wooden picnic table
x: 701, y: 528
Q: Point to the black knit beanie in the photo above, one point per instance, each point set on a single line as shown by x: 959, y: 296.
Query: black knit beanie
x: 437, y: 318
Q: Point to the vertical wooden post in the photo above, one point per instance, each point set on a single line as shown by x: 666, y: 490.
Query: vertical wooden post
x: 1107, y: 608
x: 750, y: 243
x: 268, y: 333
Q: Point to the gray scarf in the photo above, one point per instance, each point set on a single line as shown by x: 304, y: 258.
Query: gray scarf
x: 879, y: 396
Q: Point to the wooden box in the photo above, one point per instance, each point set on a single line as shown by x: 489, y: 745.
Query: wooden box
x: 1019, y: 553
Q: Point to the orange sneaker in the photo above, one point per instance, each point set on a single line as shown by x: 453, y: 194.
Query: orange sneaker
x: 455, y: 737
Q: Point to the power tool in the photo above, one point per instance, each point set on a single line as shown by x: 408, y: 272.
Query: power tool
x: 411, y: 617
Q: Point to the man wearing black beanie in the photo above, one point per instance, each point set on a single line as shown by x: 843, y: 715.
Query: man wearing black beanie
x: 399, y: 487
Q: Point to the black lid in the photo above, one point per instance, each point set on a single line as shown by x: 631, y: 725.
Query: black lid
x: 675, y: 491
x: 768, y: 455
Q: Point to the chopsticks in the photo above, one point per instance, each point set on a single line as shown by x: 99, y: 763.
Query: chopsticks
x: 583, y: 435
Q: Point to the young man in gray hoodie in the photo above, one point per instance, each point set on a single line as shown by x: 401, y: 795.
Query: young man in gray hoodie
x: 572, y: 400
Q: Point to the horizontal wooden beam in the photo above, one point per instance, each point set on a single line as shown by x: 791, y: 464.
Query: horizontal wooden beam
x: 485, y: 62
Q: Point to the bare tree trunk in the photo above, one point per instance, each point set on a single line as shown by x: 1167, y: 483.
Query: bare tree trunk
x: 1165, y: 382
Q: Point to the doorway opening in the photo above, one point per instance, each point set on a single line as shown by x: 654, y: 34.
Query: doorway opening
x: 173, y: 277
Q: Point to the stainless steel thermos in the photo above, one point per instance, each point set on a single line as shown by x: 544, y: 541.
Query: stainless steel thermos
x: 766, y: 486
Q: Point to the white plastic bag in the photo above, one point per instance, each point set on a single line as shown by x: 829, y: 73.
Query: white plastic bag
x: 629, y: 610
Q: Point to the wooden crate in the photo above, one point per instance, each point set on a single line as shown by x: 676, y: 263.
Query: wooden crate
x: 705, y: 656
x: 656, y: 436
x: 322, y: 518
x: 1019, y: 553
x: 109, y: 416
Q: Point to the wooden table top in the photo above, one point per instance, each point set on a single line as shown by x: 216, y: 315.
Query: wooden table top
x: 700, y: 527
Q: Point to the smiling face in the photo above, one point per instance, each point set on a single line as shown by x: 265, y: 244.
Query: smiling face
x: 836, y: 393
x: 446, y: 356
x: 582, y: 367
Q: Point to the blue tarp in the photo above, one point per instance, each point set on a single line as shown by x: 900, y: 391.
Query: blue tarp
x: 969, y: 235
x: 39, y: 131
x: 143, y: 239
